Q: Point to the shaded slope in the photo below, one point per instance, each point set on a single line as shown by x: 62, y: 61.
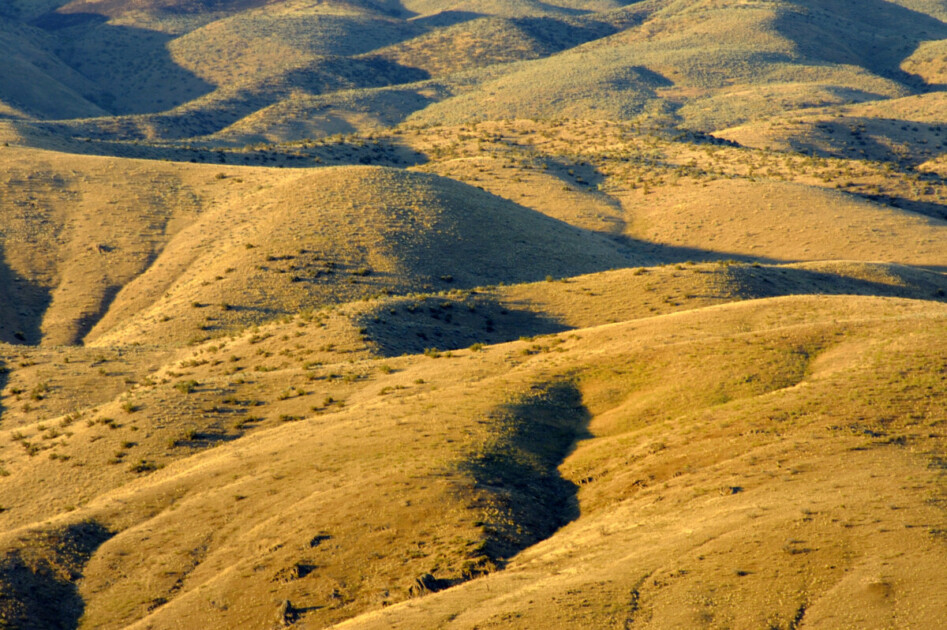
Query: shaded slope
x: 563, y: 85
x: 340, y: 234
x: 276, y: 534
x: 130, y: 66
x: 459, y: 319
x: 626, y: 294
x: 275, y: 40
x: 36, y: 83
x: 907, y: 131
x: 303, y: 115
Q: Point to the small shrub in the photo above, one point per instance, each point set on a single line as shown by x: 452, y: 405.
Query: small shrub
x: 143, y: 466
x: 186, y: 387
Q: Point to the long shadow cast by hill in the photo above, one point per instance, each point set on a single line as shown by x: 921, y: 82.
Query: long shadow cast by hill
x: 929, y: 209
x: 123, y: 56
x: 4, y: 377
x: 850, y: 138
x: 22, y: 305
x: 558, y: 35
x: 38, y: 581
x: 859, y: 36
x: 380, y: 152
x: 754, y: 282
x: 322, y: 77
x: 662, y: 254
x: 415, y: 325
x: 446, y: 18
x: 87, y: 321
x: 518, y: 485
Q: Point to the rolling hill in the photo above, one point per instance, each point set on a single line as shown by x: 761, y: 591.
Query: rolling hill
x: 472, y: 314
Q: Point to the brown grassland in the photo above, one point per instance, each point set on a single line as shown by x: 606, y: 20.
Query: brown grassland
x: 473, y: 314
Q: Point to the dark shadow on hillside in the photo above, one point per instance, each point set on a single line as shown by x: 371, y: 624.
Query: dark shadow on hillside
x: 755, y: 282
x: 87, y: 321
x: 557, y: 35
x: 856, y: 138
x: 38, y: 580
x: 581, y: 176
x: 227, y: 106
x: 433, y: 324
x: 446, y: 18
x: 415, y: 325
x: 516, y: 473
x: 126, y: 63
x: 662, y: 254
x: 4, y: 378
x: 302, y: 154
x: 929, y: 209
x: 22, y: 305
x: 876, y: 35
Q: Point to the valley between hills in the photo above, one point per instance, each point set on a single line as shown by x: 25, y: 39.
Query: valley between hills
x: 473, y: 314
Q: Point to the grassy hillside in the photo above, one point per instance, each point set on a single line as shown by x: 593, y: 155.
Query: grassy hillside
x: 37, y: 83
x: 337, y: 236
x: 472, y: 314
x: 77, y: 229
x: 172, y: 70
x: 475, y: 489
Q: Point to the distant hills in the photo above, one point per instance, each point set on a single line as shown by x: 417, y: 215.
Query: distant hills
x: 173, y: 69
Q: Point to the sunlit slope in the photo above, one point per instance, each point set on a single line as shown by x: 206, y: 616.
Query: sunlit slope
x: 715, y: 493
x: 715, y: 65
x: 172, y: 71
x: 907, y: 131
x: 697, y: 432
x: 433, y: 9
x: 626, y: 294
x: 685, y: 200
x: 156, y: 56
x: 276, y: 38
x: 77, y: 228
x: 51, y: 381
x: 302, y: 115
x: 788, y: 222
x: 457, y: 319
x: 340, y: 234
x: 487, y: 41
x: 928, y: 62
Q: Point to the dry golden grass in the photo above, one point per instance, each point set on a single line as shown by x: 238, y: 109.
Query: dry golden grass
x: 472, y: 314
x: 715, y: 501
x: 694, y: 430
